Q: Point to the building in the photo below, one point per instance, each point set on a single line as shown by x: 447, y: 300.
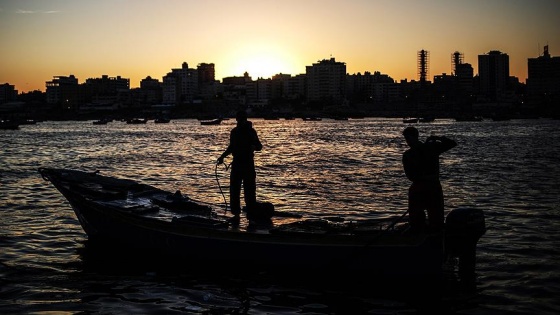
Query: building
x: 423, y: 57
x: 8, y: 93
x: 543, y: 82
x: 493, y: 71
x: 63, y: 90
x: 180, y: 86
x: 370, y: 87
x: 105, y: 92
x: 150, y: 91
x: 107, y: 85
x: 207, y: 84
x: 295, y: 88
x: 237, y: 81
x: 464, y: 73
x: 326, y: 82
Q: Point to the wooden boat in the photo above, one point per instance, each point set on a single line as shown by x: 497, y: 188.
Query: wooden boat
x: 142, y: 217
x: 215, y: 121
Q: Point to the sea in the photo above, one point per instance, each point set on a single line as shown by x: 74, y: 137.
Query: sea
x: 350, y: 169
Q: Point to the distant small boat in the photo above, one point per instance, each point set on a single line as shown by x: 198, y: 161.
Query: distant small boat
x: 27, y: 122
x: 215, y: 121
x: 410, y: 120
x: 426, y: 119
x: 340, y: 118
x: 8, y: 125
x: 312, y: 118
x: 135, y: 121
x: 162, y: 120
x: 101, y: 122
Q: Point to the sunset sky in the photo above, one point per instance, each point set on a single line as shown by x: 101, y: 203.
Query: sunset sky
x: 138, y: 38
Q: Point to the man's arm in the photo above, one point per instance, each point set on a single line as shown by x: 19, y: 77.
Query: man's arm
x: 226, y: 152
x: 256, y: 142
x: 443, y: 143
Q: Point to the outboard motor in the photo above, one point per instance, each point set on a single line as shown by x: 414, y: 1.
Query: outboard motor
x: 463, y: 229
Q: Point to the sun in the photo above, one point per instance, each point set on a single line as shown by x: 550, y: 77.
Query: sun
x: 261, y: 61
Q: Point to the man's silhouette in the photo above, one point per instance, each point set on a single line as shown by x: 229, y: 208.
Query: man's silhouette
x: 421, y: 166
x: 243, y: 142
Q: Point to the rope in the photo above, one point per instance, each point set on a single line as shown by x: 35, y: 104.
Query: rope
x: 220, y: 186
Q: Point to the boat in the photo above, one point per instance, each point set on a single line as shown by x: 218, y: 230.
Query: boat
x: 215, y: 121
x: 312, y: 118
x: 102, y: 121
x: 410, y: 120
x: 136, y: 121
x: 339, y: 117
x: 27, y: 122
x: 426, y: 119
x: 8, y: 125
x: 162, y: 120
x: 134, y: 215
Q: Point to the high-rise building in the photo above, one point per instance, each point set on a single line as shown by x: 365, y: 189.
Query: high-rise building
x: 62, y: 89
x: 180, y: 85
x: 543, y: 82
x: 423, y: 66
x: 493, y: 71
x: 463, y: 72
x: 206, y: 80
x: 456, y: 59
x: 206, y: 73
x: 326, y: 81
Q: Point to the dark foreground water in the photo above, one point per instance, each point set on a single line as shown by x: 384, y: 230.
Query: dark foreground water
x: 350, y: 169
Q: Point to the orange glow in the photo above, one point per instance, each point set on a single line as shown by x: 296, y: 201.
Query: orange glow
x: 135, y: 39
x: 260, y: 61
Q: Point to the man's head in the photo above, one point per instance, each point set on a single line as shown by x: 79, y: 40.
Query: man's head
x: 241, y: 116
x: 411, y: 135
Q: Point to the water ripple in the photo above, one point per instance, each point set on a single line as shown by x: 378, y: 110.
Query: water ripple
x: 350, y: 169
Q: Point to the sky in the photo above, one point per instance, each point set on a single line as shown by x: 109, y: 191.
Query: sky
x: 40, y: 39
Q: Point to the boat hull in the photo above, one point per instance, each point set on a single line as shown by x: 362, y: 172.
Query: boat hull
x: 380, y: 254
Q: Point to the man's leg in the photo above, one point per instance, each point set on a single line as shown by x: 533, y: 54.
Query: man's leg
x: 435, y: 207
x: 250, y: 191
x: 416, y: 215
x: 235, y: 192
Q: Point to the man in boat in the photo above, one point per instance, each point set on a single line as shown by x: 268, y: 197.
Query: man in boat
x: 243, y: 142
x: 421, y: 166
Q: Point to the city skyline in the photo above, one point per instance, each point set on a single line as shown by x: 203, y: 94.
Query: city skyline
x: 136, y: 39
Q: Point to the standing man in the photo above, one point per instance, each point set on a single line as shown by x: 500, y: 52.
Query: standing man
x: 243, y: 142
x: 421, y: 166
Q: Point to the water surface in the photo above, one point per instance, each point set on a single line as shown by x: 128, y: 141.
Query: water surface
x: 350, y: 169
